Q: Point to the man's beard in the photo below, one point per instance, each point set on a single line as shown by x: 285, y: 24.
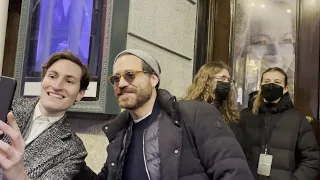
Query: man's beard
x: 131, y: 103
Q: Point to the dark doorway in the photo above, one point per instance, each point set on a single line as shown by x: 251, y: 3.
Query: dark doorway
x: 11, y: 38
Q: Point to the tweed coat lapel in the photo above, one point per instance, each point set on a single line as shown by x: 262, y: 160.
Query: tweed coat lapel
x: 44, y: 151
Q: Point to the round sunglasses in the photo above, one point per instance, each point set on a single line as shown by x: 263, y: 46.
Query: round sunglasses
x: 129, y: 76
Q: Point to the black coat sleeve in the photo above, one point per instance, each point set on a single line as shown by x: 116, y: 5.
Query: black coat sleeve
x: 307, y: 153
x: 87, y: 174
x: 219, y: 151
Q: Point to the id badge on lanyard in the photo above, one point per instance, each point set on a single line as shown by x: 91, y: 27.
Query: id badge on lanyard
x: 265, y: 162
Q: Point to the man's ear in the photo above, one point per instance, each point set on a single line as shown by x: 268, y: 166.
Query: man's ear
x: 154, y: 80
x: 81, y: 94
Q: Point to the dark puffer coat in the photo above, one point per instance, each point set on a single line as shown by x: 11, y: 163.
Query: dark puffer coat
x: 289, y: 138
x: 193, y: 143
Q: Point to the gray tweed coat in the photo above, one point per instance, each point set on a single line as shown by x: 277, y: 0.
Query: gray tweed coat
x: 56, y: 154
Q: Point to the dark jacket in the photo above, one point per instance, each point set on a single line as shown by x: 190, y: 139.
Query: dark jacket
x: 236, y: 129
x: 193, y: 143
x: 234, y: 126
x: 57, y: 153
x: 289, y: 139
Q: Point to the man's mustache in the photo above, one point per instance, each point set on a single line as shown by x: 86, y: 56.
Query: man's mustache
x: 126, y: 90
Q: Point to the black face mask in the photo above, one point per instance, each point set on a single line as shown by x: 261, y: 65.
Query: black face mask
x: 222, y: 91
x: 271, y: 92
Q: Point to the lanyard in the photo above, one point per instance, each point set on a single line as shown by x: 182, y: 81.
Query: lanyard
x: 266, y: 134
x: 268, y: 123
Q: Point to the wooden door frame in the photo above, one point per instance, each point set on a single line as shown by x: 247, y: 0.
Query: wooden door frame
x: 201, y: 42
x: 307, y: 68
x: 209, y: 26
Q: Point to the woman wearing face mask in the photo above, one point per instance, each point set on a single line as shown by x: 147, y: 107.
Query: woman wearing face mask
x: 214, y: 85
x: 278, y: 141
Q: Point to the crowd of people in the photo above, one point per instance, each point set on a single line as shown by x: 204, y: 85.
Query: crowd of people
x: 202, y: 136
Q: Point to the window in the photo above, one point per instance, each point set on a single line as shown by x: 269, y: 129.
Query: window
x: 57, y: 25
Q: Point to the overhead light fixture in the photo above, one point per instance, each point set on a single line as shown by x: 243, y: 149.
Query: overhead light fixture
x: 252, y: 4
x: 262, y: 6
x: 289, y: 11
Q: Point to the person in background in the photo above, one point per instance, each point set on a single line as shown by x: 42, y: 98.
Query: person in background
x: 278, y: 141
x: 213, y: 84
x: 39, y: 143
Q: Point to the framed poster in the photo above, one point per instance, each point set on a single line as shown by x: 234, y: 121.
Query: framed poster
x: 82, y: 26
x: 264, y: 36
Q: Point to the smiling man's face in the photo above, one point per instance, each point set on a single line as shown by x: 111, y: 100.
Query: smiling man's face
x: 60, y: 87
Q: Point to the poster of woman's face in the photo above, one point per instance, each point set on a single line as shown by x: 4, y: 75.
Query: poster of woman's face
x: 264, y: 37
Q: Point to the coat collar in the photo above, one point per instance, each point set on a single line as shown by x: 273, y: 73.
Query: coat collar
x: 41, y: 153
x: 284, y: 104
x: 23, y: 109
x: 166, y: 101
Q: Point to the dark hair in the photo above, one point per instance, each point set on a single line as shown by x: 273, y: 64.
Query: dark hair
x: 68, y: 55
x: 148, y: 69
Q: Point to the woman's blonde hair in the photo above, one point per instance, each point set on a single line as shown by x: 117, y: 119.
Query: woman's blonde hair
x: 203, y: 89
x: 258, y: 98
